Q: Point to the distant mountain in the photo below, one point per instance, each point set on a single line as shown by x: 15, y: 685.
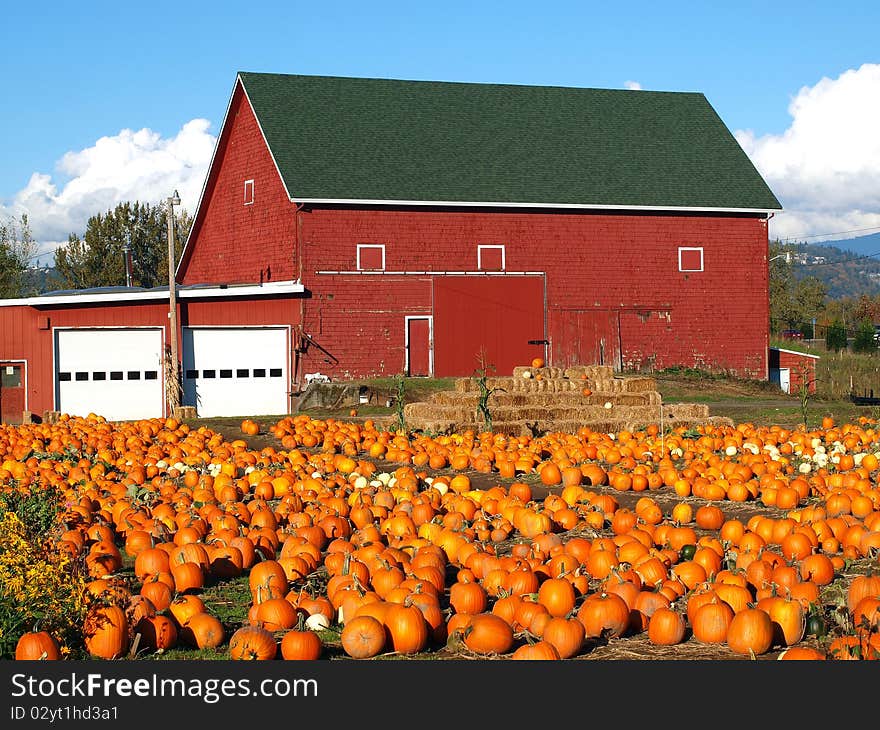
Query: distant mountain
x: 40, y: 279
x: 863, y: 246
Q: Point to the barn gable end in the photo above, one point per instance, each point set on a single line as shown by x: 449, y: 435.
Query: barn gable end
x: 244, y: 226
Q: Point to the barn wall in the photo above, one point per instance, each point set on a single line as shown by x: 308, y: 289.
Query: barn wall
x: 232, y: 242
x: 360, y: 322
x: 627, y: 264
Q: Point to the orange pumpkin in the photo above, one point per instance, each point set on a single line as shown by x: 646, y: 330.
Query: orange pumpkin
x: 252, y: 643
x: 363, y: 637
x: 751, y: 632
x: 37, y: 645
x: 105, y: 632
x: 666, y: 627
x: 485, y: 633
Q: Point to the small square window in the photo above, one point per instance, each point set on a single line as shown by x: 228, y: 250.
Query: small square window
x: 209, y: 373
x: 248, y: 192
x: 259, y: 372
x: 275, y: 372
x: 115, y: 375
x: 151, y: 375
x: 63, y: 377
x: 80, y: 377
x: 242, y: 373
x: 192, y: 374
x: 99, y: 375
x: 490, y: 258
x: 225, y: 373
x: 690, y: 258
x: 370, y: 257
x: 10, y: 376
x: 134, y: 375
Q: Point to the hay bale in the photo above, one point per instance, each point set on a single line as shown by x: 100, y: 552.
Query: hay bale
x: 638, y: 384
x: 685, y: 410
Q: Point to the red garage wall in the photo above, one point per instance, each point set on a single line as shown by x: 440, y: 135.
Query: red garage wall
x: 801, y: 367
x: 231, y: 241
x: 28, y: 332
x: 625, y: 265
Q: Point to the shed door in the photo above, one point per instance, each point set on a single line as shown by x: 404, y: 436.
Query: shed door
x: 785, y: 380
x: 236, y: 371
x: 501, y: 317
x: 418, y: 346
x: 114, y: 373
x: 12, y: 381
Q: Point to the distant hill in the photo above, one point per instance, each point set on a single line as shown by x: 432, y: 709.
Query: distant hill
x: 848, y: 268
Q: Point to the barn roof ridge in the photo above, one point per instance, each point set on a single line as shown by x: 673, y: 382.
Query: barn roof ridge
x: 360, y: 139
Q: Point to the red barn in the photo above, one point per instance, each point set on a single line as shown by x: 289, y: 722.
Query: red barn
x: 360, y: 227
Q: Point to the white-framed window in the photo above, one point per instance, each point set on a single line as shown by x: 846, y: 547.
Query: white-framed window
x: 490, y: 257
x: 690, y: 258
x: 371, y: 257
x: 248, y: 192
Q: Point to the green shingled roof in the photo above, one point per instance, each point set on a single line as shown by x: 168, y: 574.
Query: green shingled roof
x: 337, y: 138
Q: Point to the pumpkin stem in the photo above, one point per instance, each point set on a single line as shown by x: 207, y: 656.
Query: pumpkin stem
x: 301, y: 622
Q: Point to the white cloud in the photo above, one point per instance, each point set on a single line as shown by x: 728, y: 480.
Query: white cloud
x: 632, y: 85
x: 825, y: 168
x: 132, y: 165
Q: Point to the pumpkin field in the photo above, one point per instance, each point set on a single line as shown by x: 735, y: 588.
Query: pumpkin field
x: 341, y: 539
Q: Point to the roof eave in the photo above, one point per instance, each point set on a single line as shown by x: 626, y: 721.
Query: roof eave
x: 509, y: 204
x: 191, y: 292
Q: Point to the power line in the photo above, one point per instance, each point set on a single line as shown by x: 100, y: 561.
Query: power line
x: 837, y: 233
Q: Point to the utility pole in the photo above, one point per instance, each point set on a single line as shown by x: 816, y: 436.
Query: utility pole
x: 173, y: 387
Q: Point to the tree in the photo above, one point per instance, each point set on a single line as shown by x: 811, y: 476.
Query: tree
x: 96, y: 259
x: 809, y: 299
x: 835, y: 337
x: 864, y: 340
x: 17, y: 248
x: 794, y: 302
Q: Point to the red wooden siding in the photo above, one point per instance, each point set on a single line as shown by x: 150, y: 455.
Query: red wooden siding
x: 491, y: 315
x: 233, y: 242
x: 585, y: 336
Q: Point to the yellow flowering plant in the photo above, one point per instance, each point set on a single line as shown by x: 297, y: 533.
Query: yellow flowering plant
x: 40, y: 589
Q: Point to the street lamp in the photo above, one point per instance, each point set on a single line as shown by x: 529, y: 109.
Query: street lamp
x: 174, y: 378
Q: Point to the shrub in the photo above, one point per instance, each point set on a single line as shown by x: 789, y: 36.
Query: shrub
x: 864, y: 340
x: 835, y: 337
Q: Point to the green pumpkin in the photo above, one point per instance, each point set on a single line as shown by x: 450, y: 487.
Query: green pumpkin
x: 815, y: 625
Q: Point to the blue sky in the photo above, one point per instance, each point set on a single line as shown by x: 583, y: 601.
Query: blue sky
x: 78, y: 73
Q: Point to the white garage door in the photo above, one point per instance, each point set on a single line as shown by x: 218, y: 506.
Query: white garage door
x: 236, y: 371
x: 115, y: 373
